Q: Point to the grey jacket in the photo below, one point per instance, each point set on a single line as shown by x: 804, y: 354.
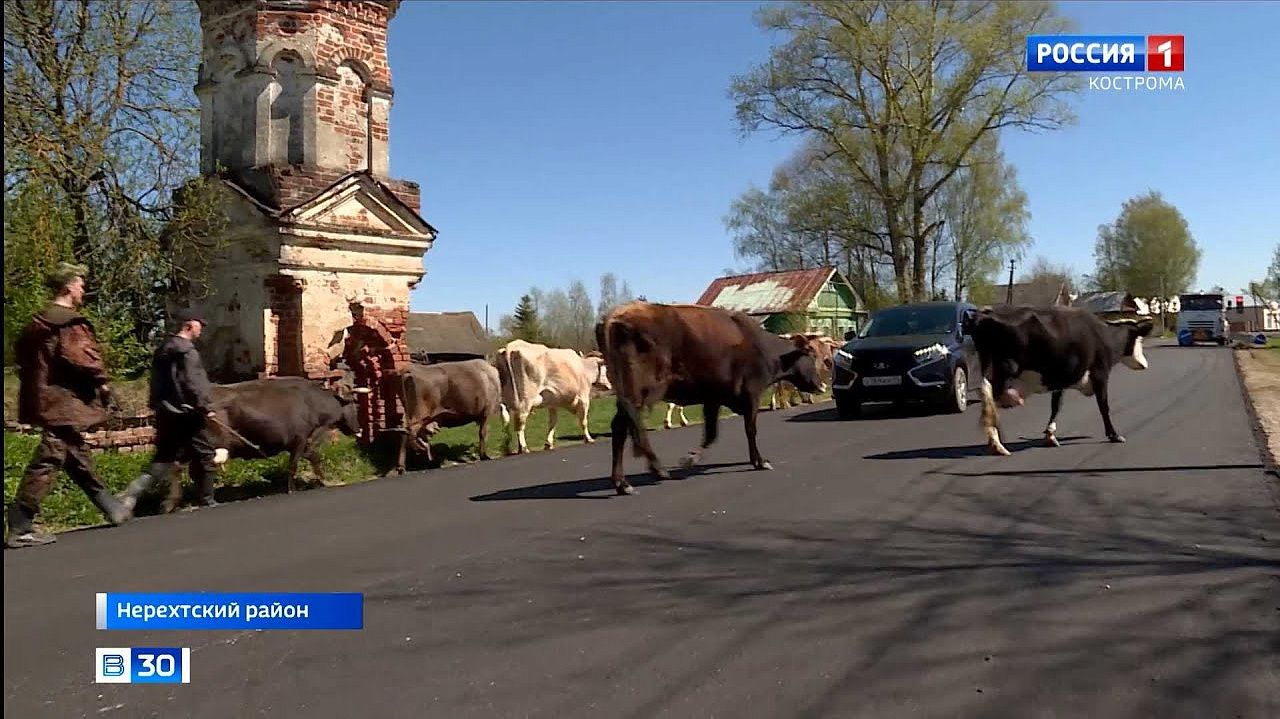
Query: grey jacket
x: 178, y: 378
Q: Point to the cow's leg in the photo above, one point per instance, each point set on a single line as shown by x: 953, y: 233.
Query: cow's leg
x: 314, y: 443
x: 684, y: 421
x: 583, y: 410
x: 666, y: 422
x: 640, y: 439
x: 620, y: 428
x: 710, y: 430
x: 409, y: 433
x: 749, y: 421
x: 552, y: 418
x: 520, y: 418
x: 990, y: 420
x: 295, y: 454
x: 1099, y: 382
x: 1051, y: 429
x: 484, y: 437
x: 773, y: 398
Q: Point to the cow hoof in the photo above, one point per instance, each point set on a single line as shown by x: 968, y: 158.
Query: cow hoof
x: 764, y: 466
x: 548, y: 447
x: 485, y: 458
x: 1052, y: 441
x: 1117, y: 439
x: 690, y: 459
x: 662, y: 474
x: 625, y: 489
x: 999, y: 449
x: 590, y: 440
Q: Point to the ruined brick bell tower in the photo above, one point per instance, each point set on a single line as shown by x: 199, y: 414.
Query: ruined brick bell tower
x: 321, y: 247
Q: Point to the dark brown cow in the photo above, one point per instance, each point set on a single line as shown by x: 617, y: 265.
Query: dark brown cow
x: 450, y: 394
x: 287, y: 414
x: 693, y: 355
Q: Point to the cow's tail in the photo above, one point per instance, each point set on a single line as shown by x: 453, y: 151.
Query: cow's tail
x: 619, y: 345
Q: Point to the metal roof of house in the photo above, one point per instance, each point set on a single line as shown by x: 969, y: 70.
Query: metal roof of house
x: 767, y: 292
x: 454, y: 333
x: 1097, y: 302
x: 1037, y: 293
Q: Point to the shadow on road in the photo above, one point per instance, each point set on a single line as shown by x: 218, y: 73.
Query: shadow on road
x: 1085, y: 471
x: 970, y: 450
x: 1120, y: 601
x: 593, y: 488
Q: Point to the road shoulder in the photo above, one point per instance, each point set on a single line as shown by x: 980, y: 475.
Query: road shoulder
x: 1259, y: 372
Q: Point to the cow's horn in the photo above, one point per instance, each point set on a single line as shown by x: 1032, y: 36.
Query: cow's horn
x: 362, y: 390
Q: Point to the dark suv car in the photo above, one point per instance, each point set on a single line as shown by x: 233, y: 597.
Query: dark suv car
x: 908, y: 353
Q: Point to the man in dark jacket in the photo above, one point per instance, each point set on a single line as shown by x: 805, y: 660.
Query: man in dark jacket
x: 181, y: 397
x: 63, y: 391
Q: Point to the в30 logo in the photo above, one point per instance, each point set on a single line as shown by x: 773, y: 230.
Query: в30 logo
x: 1103, y: 53
x: 142, y: 665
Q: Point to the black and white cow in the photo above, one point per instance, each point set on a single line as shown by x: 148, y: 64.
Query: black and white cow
x: 1026, y: 351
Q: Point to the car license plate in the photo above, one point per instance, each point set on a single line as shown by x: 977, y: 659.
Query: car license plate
x: 1200, y: 335
x: 882, y: 381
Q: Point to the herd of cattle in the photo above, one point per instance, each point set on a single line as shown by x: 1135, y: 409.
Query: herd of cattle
x: 681, y: 355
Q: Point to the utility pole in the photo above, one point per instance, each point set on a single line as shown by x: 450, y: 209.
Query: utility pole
x: 486, y: 320
x: 1009, y: 296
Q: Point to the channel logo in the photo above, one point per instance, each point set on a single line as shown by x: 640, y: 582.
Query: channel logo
x: 1105, y: 53
x: 142, y: 665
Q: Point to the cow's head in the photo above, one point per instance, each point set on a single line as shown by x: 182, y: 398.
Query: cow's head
x: 1126, y: 336
x: 350, y: 422
x: 597, y: 371
x: 800, y: 365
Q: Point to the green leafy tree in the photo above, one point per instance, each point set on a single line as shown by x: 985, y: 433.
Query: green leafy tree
x: 1147, y: 251
x: 902, y: 92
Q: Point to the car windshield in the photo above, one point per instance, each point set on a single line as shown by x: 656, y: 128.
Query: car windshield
x: 911, y: 321
x: 1200, y: 302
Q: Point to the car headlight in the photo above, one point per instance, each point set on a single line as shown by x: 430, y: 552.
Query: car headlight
x: 843, y: 359
x: 931, y: 353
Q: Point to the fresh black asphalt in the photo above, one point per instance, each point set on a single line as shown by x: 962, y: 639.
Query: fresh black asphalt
x: 887, y: 567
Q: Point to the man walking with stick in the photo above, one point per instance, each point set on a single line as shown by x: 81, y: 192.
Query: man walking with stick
x: 64, y: 391
x: 181, y: 396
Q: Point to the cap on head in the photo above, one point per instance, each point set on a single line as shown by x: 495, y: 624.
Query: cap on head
x: 64, y: 274
x: 188, y: 314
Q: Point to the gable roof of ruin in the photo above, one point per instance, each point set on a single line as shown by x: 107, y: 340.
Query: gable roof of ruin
x: 446, y: 333
x: 355, y: 200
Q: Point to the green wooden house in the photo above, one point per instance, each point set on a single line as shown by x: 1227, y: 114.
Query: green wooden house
x: 816, y: 300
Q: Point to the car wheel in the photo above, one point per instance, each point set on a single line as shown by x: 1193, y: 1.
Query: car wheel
x: 847, y: 407
x: 959, y: 395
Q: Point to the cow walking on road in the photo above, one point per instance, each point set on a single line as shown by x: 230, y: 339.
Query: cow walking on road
x: 534, y: 375
x: 825, y: 348
x: 449, y: 394
x: 693, y: 355
x: 1026, y: 351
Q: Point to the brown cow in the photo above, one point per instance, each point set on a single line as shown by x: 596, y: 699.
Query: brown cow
x: 825, y: 348
x: 689, y: 355
x: 450, y: 394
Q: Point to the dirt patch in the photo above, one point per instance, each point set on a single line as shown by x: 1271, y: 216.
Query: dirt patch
x: 1260, y: 374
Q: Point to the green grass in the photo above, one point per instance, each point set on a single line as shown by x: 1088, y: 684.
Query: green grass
x: 67, y: 507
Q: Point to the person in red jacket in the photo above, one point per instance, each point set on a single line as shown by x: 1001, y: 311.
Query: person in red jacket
x: 64, y: 390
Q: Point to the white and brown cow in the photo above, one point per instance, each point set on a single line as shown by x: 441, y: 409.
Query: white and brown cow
x: 1026, y: 351
x: 534, y: 375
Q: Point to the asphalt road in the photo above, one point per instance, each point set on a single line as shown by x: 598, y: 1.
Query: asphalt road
x: 887, y: 567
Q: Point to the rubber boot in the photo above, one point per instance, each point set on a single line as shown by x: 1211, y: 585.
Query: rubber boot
x: 115, y: 511
x: 206, y: 490
x: 22, y: 532
x: 138, y: 487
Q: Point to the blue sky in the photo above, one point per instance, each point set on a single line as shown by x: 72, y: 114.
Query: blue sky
x: 556, y: 141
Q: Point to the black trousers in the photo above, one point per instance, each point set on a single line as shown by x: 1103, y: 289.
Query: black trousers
x: 184, y: 438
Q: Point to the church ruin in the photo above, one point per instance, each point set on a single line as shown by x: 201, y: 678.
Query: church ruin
x: 321, y: 247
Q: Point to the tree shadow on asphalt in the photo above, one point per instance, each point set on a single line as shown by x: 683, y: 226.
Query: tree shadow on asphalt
x: 968, y: 450
x: 965, y: 588
x: 601, y: 488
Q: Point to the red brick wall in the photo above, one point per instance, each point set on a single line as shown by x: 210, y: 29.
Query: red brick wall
x: 284, y: 299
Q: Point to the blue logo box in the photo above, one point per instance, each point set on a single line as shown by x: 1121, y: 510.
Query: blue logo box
x: 1086, y: 53
x: 230, y: 611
